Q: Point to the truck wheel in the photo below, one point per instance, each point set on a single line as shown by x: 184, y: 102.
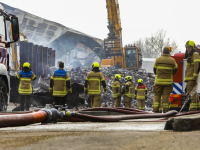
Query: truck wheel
x: 3, y: 96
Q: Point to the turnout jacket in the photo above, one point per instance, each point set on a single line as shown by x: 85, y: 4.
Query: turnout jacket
x: 164, y: 68
x: 192, y: 67
x: 25, y: 85
x: 116, y: 88
x: 60, y: 84
x: 128, y: 89
x: 141, y: 91
x: 93, y: 83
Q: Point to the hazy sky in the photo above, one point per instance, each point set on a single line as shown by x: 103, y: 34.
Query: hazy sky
x: 139, y: 18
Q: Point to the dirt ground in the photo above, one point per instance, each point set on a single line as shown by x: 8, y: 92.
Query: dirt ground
x: 116, y: 140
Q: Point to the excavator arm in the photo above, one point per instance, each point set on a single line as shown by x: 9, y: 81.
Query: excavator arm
x: 114, y: 22
x: 114, y: 16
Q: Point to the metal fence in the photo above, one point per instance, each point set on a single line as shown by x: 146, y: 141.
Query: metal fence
x: 40, y: 58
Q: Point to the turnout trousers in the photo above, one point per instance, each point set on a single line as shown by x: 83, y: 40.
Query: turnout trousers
x: 194, y: 104
x: 164, y: 92
x: 127, y: 101
x: 25, y: 99
x: 141, y: 104
x: 95, y: 100
x: 117, y: 101
x: 60, y: 100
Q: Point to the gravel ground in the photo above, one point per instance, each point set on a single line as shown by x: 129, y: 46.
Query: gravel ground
x: 120, y: 140
x: 90, y: 136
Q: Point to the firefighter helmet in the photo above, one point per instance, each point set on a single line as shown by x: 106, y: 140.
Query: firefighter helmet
x: 95, y: 65
x: 26, y: 64
x: 117, y: 76
x: 128, y: 78
x: 140, y: 81
x: 190, y: 43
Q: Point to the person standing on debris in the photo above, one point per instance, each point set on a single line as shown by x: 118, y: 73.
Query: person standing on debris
x: 60, y: 85
x: 25, y: 87
x: 141, y: 94
x: 93, y: 83
x: 116, y: 89
x: 128, y: 91
x: 191, y: 73
x: 164, y: 68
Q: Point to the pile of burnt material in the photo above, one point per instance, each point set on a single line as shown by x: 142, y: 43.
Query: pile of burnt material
x: 148, y: 80
x: 78, y: 75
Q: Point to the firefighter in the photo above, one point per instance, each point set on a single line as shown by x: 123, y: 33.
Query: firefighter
x: 164, y: 68
x: 25, y: 87
x: 60, y: 85
x: 191, y: 73
x: 128, y: 91
x: 141, y: 94
x: 93, y: 83
x: 116, y: 89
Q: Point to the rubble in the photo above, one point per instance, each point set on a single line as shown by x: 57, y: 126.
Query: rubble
x: 78, y: 75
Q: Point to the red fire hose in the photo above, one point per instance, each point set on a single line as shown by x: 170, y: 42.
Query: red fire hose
x: 125, y: 111
x: 120, y: 117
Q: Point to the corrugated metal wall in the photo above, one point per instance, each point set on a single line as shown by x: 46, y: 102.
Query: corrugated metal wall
x: 38, y: 56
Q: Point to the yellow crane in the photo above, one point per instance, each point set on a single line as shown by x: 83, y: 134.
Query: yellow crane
x: 115, y: 54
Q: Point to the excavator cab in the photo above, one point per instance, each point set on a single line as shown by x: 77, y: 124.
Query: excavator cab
x: 132, y: 57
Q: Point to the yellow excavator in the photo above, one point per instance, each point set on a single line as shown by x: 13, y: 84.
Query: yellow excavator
x: 15, y: 54
x: 114, y: 54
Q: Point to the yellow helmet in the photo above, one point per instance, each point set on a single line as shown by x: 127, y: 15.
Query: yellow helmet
x: 128, y: 78
x: 140, y: 81
x: 26, y: 64
x: 170, y: 48
x: 117, y: 76
x: 96, y: 64
x: 190, y: 43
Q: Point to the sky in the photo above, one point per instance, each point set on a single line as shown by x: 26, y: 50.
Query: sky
x: 139, y: 18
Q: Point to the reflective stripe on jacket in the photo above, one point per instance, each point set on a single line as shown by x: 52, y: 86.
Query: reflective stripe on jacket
x: 129, y: 91
x: 59, y: 83
x: 94, y: 82
x: 140, y: 92
x: 165, y: 67
x: 191, y: 72
x: 116, y: 89
x: 25, y: 86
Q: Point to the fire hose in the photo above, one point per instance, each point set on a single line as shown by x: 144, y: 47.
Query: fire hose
x: 44, y: 115
x: 53, y: 115
x: 118, y: 109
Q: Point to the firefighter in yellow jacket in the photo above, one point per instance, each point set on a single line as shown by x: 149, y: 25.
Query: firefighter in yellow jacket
x: 60, y: 85
x: 116, y: 89
x: 191, y: 73
x: 25, y: 87
x: 164, y: 68
x: 128, y: 92
x: 93, y: 83
x: 141, y: 94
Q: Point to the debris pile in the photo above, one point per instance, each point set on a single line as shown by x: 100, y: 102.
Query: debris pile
x: 78, y: 75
